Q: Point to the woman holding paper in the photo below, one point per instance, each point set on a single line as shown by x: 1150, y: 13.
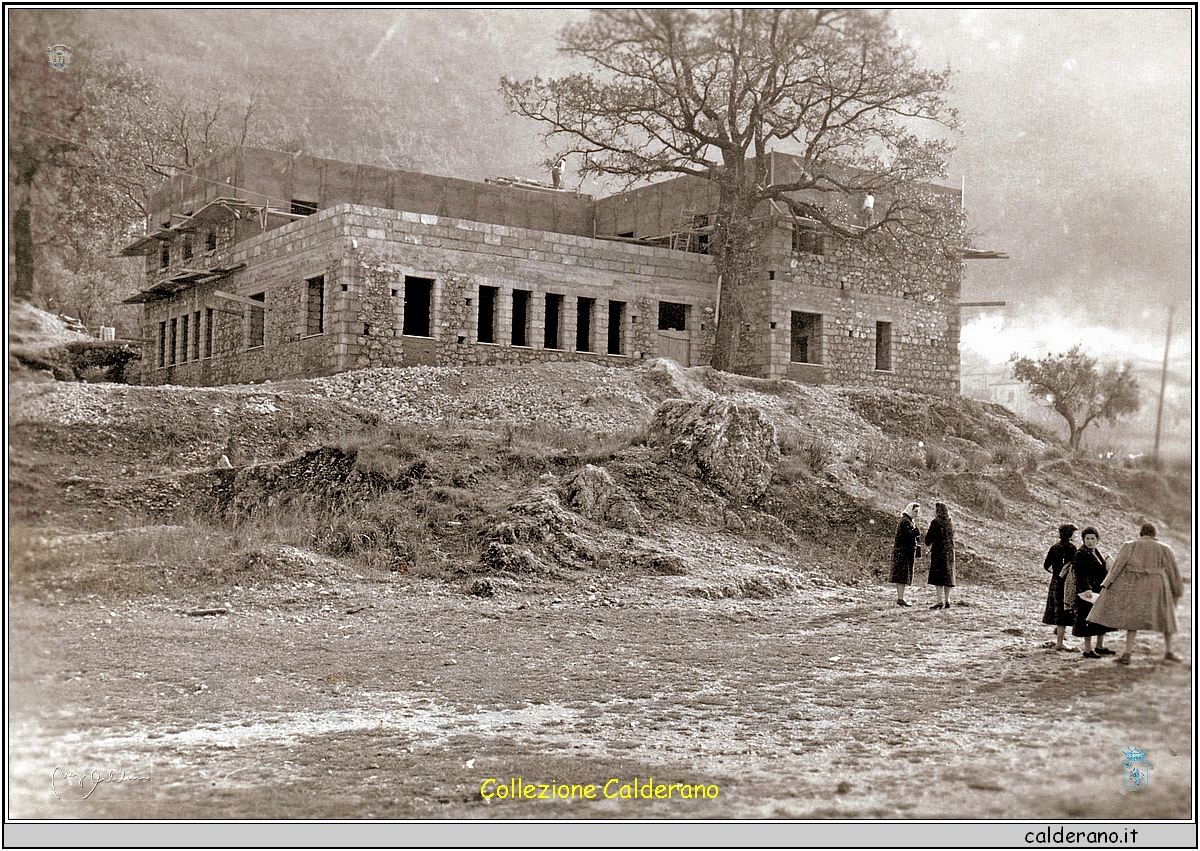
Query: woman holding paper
x: 1090, y: 572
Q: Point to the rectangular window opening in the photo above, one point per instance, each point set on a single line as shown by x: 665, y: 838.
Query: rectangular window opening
x: 162, y: 343
x: 418, y: 306
x: 807, y: 241
x: 303, y: 208
x: 210, y: 241
x: 672, y: 316
x: 616, y: 323
x: 174, y: 340
x: 521, y: 317
x: 554, y: 304
x: 196, y: 335
x: 208, y: 332
x: 806, y: 337
x: 184, y: 338
x: 164, y: 256
x: 883, y: 346
x: 487, y: 315
x: 583, y: 326
x: 187, y: 247
x: 316, y: 305
x: 258, y: 321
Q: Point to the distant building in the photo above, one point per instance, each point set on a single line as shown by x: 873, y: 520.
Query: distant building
x: 266, y: 265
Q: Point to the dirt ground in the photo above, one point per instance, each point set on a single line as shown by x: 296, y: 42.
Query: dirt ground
x: 387, y: 697
x: 743, y: 659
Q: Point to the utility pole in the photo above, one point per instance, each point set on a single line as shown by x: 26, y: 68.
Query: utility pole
x: 1162, y: 390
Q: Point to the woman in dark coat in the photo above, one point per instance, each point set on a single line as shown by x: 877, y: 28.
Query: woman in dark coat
x: 907, y: 548
x: 940, y: 540
x: 1090, y: 572
x: 1059, y: 613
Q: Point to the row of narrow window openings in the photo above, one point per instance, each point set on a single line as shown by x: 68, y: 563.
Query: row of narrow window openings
x: 180, y: 339
x: 807, y: 331
x: 418, y: 294
x: 299, y: 208
x: 186, y: 248
x: 522, y: 327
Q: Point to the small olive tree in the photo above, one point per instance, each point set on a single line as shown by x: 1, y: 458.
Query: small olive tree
x: 1072, y: 385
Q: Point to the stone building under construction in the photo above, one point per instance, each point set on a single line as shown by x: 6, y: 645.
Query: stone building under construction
x: 268, y: 265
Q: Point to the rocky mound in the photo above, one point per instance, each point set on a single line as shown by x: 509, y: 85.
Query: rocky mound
x: 533, y: 474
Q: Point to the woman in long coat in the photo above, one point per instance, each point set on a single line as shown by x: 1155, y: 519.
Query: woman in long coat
x: 939, y: 537
x: 1059, y: 613
x: 1141, y: 591
x: 1090, y: 571
x: 906, y: 550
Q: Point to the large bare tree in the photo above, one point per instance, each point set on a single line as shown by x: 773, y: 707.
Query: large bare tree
x: 711, y: 93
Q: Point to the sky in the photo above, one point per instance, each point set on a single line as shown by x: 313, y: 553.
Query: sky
x: 1077, y: 155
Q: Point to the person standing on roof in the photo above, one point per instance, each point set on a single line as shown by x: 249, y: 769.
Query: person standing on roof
x: 556, y: 173
x: 868, y: 208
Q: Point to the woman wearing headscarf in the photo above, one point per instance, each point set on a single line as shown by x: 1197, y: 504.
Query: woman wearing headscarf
x: 1059, y: 612
x: 1090, y: 572
x: 906, y: 550
x: 939, y: 537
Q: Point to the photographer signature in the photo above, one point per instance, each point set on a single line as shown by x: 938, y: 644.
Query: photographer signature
x: 89, y: 780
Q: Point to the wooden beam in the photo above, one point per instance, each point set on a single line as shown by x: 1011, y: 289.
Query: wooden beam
x: 273, y: 211
x: 220, y: 309
x: 240, y: 299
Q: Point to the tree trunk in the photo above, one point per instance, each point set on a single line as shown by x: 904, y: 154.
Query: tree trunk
x: 1076, y: 434
x: 737, y: 264
x: 22, y: 242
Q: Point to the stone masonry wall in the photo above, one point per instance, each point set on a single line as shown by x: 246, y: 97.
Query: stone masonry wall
x: 278, y: 264
x: 364, y: 254
x: 852, y: 286
x: 462, y: 256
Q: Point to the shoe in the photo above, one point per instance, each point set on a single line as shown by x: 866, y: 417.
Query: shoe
x: 938, y: 606
x: 1090, y: 654
x: 1123, y: 659
x: 1065, y: 649
x: 1171, y: 657
x: 1104, y: 651
x: 902, y: 603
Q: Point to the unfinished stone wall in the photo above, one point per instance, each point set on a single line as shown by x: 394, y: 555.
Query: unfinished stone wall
x: 260, y: 176
x: 853, y: 286
x: 463, y: 256
x: 278, y: 264
x: 365, y: 254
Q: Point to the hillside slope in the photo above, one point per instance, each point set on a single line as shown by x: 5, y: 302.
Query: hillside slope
x: 420, y: 466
